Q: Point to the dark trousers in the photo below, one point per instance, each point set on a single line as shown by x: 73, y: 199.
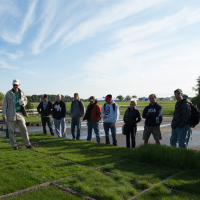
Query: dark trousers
x: 76, y: 122
x: 130, y: 133
x: 47, y: 120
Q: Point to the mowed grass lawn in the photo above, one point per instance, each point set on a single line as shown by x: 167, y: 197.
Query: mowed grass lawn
x: 168, y: 108
x: 97, y: 171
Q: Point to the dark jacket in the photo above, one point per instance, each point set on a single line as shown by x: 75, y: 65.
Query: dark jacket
x: 47, y: 111
x: 93, y: 113
x: 154, y: 111
x: 132, y: 117
x: 182, y: 114
x: 59, y: 110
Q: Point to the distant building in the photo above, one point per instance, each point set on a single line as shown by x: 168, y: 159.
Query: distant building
x: 145, y: 99
x: 167, y: 99
x: 103, y: 99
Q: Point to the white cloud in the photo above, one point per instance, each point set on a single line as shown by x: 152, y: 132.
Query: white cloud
x: 105, y: 18
x: 17, y: 37
x: 19, y: 54
x: 6, y: 66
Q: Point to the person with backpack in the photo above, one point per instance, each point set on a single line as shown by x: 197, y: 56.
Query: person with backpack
x: 153, y: 118
x: 76, y: 112
x: 45, y: 109
x: 110, y: 114
x: 131, y: 118
x: 59, y: 113
x: 93, y: 115
x: 181, y: 121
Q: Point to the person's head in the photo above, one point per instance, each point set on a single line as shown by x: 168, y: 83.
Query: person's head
x: 58, y: 97
x: 92, y: 100
x: 178, y: 93
x: 152, y: 99
x: 76, y: 96
x: 133, y: 104
x: 45, y: 98
x: 108, y: 99
x: 16, y: 84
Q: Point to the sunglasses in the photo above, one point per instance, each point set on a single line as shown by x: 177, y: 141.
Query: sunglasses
x: 15, y: 85
x: 106, y: 100
x: 177, y: 93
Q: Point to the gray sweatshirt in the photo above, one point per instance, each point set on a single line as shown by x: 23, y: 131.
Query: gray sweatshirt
x: 77, y: 109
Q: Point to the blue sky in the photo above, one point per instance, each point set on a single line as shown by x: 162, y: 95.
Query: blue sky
x: 97, y: 47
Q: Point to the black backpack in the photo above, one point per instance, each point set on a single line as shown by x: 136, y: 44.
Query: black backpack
x: 195, y: 114
x: 113, y: 105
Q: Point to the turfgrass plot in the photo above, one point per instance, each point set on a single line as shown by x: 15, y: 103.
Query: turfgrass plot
x: 101, y: 186
x: 51, y: 168
x: 12, y: 179
x: 188, y: 181
x: 140, y: 171
x: 46, y: 193
x: 61, y: 158
x: 162, y: 193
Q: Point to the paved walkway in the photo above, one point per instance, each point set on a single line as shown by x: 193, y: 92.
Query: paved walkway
x: 165, y: 129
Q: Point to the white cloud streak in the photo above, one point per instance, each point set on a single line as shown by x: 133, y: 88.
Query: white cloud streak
x: 17, y: 37
x: 19, y: 54
x: 6, y: 66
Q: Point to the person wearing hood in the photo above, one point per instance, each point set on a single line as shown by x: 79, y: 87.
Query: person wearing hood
x: 180, y: 123
x: 110, y: 114
x: 76, y: 112
x: 153, y: 118
x: 93, y: 115
x: 59, y: 113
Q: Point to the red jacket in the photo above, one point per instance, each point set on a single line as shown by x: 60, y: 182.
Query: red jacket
x: 96, y: 113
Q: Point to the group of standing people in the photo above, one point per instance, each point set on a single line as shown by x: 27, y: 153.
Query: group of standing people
x: 14, y: 113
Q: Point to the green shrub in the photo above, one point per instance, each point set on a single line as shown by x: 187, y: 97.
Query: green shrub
x: 196, y: 100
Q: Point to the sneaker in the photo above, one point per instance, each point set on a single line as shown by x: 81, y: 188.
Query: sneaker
x: 15, y: 148
x: 30, y: 147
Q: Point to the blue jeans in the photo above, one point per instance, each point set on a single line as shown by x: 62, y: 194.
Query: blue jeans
x: 113, y: 132
x: 181, y: 136
x: 95, y: 126
x: 76, y: 122
x: 47, y: 120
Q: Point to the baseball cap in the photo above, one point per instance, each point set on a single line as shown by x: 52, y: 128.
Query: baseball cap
x: 45, y: 96
x: 178, y: 90
x: 16, y: 82
x: 92, y: 98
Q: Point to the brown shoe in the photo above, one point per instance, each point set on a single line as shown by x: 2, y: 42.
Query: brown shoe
x: 15, y: 148
x: 30, y: 147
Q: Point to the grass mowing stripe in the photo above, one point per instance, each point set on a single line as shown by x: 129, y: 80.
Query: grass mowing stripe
x: 71, y: 191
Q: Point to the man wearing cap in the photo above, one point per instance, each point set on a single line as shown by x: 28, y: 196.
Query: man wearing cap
x: 77, y: 111
x: 93, y: 115
x: 13, y: 112
x: 180, y: 122
x: 45, y: 109
x: 110, y: 114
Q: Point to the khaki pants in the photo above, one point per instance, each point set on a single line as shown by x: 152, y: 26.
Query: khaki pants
x: 20, y: 122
